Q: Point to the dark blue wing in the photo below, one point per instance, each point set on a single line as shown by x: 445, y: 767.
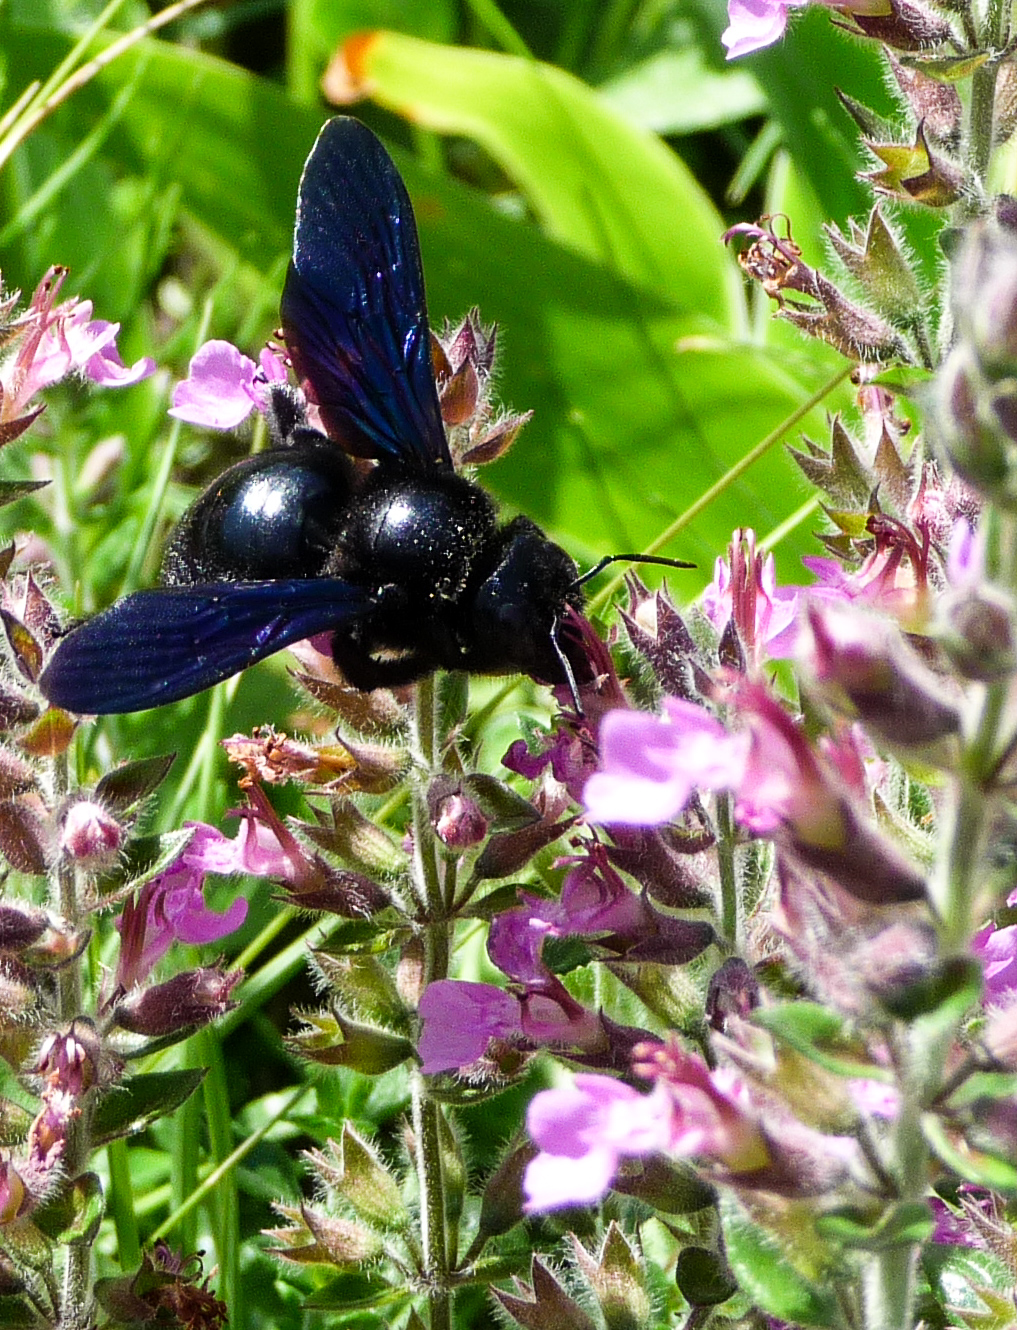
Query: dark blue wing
x: 162, y: 645
x: 353, y: 309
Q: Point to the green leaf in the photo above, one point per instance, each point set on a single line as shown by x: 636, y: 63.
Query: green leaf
x: 126, y: 785
x: 985, y: 1085
x: 372, y: 936
x: 12, y: 490
x: 818, y: 1034
x: 354, y: 1289
x: 139, y: 1101
x: 15, y: 1313
x: 956, y: 1273
x: 596, y: 182
x: 676, y: 92
x: 984, y: 1170
x: 562, y: 955
x: 898, y: 1225
x: 767, y: 1276
x: 74, y: 1213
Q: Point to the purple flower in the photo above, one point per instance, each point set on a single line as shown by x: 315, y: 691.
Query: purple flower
x: 223, y: 386
x: 584, y: 1131
x: 516, y: 937
x: 460, y: 1019
x: 650, y: 764
x: 996, y: 948
x: 172, y: 907
x: 755, y: 24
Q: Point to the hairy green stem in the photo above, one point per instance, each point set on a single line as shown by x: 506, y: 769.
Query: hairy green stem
x: 981, y: 121
x: 888, y: 1289
x: 76, y: 1296
x: 730, y: 911
x: 426, y: 1111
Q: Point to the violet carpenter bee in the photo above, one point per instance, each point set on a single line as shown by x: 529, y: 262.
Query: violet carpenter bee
x: 406, y: 566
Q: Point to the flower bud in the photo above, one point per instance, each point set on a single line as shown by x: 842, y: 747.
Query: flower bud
x: 336, y: 891
x: 979, y: 634
x: 975, y: 420
x: 502, y: 1205
x: 183, y: 1003
x: 903, y: 25
x: 19, y: 928
x: 90, y: 835
x: 70, y: 1062
x: 16, y: 775
x: 864, y: 665
x: 459, y: 823
x: 985, y: 296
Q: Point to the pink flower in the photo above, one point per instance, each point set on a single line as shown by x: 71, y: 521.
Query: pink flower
x: 459, y: 1020
x: 996, y: 948
x: 712, y: 1118
x: 52, y: 341
x: 171, y: 906
x: 744, y: 593
x: 650, y: 765
x: 223, y: 386
x: 755, y: 24
x: 893, y: 578
x: 76, y: 341
x: 584, y: 1131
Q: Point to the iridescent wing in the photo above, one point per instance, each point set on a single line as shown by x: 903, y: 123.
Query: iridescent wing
x: 162, y: 645
x: 353, y: 309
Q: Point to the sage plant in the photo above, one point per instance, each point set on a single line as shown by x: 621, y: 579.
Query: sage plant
x: 745, y: 913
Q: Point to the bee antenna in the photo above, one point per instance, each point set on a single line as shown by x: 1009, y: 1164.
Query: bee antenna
x: 566, y: 666
x: 629, y: 558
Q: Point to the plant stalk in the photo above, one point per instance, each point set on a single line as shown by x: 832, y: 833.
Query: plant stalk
x: 426, y: 1120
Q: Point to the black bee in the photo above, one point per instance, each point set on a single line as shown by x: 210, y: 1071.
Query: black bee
x: 407, y: 567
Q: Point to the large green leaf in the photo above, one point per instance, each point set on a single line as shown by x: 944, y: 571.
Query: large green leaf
x: 596, y: 182
x: 768, y: 1277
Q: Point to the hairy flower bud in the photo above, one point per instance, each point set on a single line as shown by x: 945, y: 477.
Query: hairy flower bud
x: 70, y: 1061
x: 979, y: 634
x: 985, y: 296
x: 977, y: 421
x: 459, y: 822
x: 90, y: 835
x: 185, y: 1002
x: 864, y: 664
